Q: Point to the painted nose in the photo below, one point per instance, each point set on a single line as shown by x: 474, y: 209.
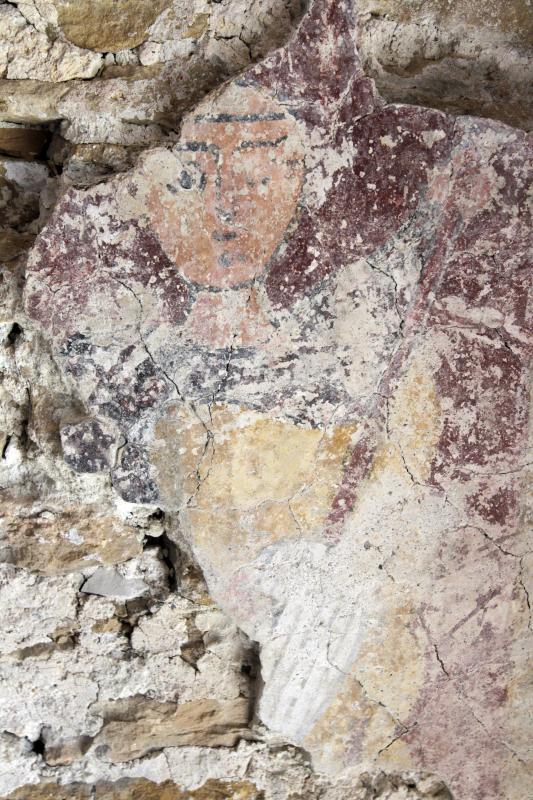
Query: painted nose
x: 225, y: 200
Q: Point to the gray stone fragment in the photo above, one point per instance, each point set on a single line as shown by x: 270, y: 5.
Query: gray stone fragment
x: 108, y: 583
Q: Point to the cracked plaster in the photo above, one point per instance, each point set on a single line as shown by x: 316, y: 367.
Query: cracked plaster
x: 327, y: 410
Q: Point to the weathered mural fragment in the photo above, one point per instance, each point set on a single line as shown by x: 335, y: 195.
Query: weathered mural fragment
x: 305, y: 329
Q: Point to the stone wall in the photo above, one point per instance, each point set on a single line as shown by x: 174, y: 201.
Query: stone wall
x: 265, y: 430
x: 461, y: 56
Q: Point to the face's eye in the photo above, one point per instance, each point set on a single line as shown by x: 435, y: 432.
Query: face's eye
x: 186, y: 180
x: 190, y: 178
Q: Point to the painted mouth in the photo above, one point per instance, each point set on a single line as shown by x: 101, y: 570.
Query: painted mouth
x: 224, y: 236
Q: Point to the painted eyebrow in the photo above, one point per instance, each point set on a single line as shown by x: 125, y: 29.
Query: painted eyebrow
x: 239, y: 117
x: 247, y: 145
x: 195, y: 147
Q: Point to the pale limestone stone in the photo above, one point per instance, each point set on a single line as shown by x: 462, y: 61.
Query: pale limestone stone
x: 18, y: 763
x: 30, y: 101
x: 21, y: 185
x: 106, y: 582
x: 166, y: 630
x: 145, y: 574
x: 47, y: 605
x: 42, y: 14
x: 118, y: 110
x: 514, y: 17
x: 160, y: 52
x: 134, y: 727
x: 57, y: 700
x: 277, y: 771
x: 28, y: 53
x: 258, y: 26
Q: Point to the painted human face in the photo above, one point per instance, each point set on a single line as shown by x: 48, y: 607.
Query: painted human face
x: 231, y: 189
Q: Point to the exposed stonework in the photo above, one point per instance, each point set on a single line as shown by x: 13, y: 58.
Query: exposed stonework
x: 23, y: 188
x: 107, y: 26
x: 84, y: 652
x: 26, y: 52
x: 53, y: 541
x: 134, y: 727
x: 23, y: 142
x: 461, y: 56
x: 151, y: 60
x: 400, y: 788
x: 279, y: 336
x: 137, y: 789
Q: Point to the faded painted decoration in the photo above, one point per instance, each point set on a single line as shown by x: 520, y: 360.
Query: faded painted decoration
x: 303, y: 330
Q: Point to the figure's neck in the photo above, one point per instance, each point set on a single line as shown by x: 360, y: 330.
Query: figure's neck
x: 229, y: 318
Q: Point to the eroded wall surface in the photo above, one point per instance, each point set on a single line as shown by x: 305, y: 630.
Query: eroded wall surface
x: 461, y: 56
x: 265, y: 400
